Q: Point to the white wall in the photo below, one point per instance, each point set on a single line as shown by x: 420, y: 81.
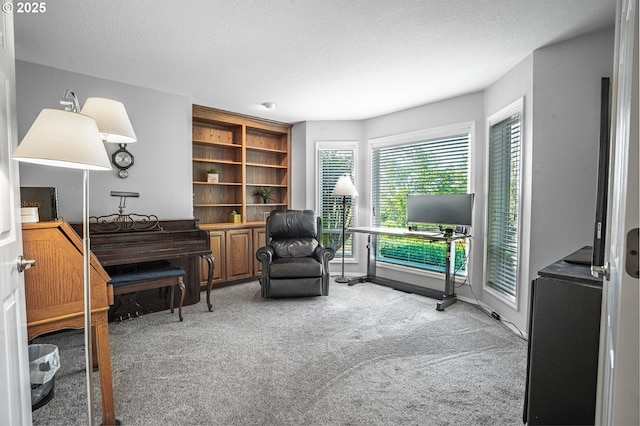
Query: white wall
x: 298, y: 167
x: 566, y: 130
x: 162, y: 122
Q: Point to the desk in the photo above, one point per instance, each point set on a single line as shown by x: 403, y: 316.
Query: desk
x: 446, y: 299
x: 54, y: 295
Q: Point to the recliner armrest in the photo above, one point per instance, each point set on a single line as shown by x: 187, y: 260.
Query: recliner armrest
x: 265, y: 254
x: 324, y: 254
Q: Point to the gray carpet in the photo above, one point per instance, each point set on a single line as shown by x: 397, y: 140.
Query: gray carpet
x: 364, y: 355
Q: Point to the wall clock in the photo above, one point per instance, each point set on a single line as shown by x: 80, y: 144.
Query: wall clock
x: 122, y: 159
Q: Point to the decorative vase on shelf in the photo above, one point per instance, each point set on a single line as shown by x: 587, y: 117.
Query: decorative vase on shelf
x: 212, y: 176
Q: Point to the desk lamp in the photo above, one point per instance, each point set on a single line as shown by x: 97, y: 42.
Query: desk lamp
x: 74, y: 140
x: 344, y: 188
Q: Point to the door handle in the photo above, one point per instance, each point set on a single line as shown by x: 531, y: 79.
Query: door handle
x: 24, y: 263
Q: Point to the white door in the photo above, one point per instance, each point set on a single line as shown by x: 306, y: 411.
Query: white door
x: 619, y: 390
x: 15, y: 391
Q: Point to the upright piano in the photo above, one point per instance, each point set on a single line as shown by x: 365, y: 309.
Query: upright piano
x: 178, y: 242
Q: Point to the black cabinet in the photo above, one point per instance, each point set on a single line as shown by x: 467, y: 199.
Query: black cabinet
x: 564, y: 334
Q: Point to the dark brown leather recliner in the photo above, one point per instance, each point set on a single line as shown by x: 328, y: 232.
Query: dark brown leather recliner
x: 294, y: 263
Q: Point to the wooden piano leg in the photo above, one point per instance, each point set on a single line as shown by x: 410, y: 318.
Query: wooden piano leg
x: 209, y: 258
x: 171, y: 300
x: 104, y: 368
x: 182, y: 288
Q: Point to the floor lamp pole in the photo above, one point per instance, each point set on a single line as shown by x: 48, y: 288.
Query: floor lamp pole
x: 78, y: 138
x: 86, y: 256
x: 342, y: 279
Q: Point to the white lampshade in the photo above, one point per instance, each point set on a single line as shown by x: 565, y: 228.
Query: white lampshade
x: 112, y: 120
x: 63, y: 139
x: 345, y: 187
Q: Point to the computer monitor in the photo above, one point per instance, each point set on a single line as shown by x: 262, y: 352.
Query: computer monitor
x: 446, y: 210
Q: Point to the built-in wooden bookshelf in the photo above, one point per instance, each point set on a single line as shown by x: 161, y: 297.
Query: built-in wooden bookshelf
x: 249, y: 153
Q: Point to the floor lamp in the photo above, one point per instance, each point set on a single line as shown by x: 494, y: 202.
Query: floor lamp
x: 73, y: 140
x: 344, y: 188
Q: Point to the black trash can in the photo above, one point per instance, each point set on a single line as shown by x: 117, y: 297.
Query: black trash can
x: 44, y: 361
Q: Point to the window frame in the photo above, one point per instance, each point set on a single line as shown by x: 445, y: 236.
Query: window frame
x: 344, y: 145
x: 419, y: 136
x: 515, y: 107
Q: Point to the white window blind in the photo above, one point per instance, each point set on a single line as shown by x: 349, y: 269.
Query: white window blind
x: 333, y: 163
x: 435, y: 166
x: 503, y: 218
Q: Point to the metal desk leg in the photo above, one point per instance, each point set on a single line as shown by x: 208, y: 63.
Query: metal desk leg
x: 449, y: 297
x: 371, y: 262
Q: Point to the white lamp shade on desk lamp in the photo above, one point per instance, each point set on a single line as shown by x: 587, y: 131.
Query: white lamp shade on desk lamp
x: 63, y: 139
x: 112, y: 120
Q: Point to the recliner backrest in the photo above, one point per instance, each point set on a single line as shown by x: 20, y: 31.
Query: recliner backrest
x: 293, y: 233
x: 293, y: 224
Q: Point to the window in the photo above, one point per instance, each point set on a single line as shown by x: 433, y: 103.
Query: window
x: 432, y: 162
x: 335, y: 159
x: 503, y: 202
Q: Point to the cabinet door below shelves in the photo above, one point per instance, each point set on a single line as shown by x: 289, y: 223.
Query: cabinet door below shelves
x: 217, y: 249
x: 239, y: 251
x: 259, y: 240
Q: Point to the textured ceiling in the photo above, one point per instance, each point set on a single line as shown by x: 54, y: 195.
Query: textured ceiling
x: 316, y: 59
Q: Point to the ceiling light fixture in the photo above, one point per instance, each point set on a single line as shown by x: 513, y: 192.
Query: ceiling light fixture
x: 269, y: 105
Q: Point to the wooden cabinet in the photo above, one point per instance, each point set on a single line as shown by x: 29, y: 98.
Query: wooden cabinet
x: 239, y: 254
x: 54, y: 295
x: 249, y: 154
x: 217, y: 249
x: 234, y: 250
x: 564, y: 339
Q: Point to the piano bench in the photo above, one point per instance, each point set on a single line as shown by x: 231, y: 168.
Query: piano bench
x: 149, y: 279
